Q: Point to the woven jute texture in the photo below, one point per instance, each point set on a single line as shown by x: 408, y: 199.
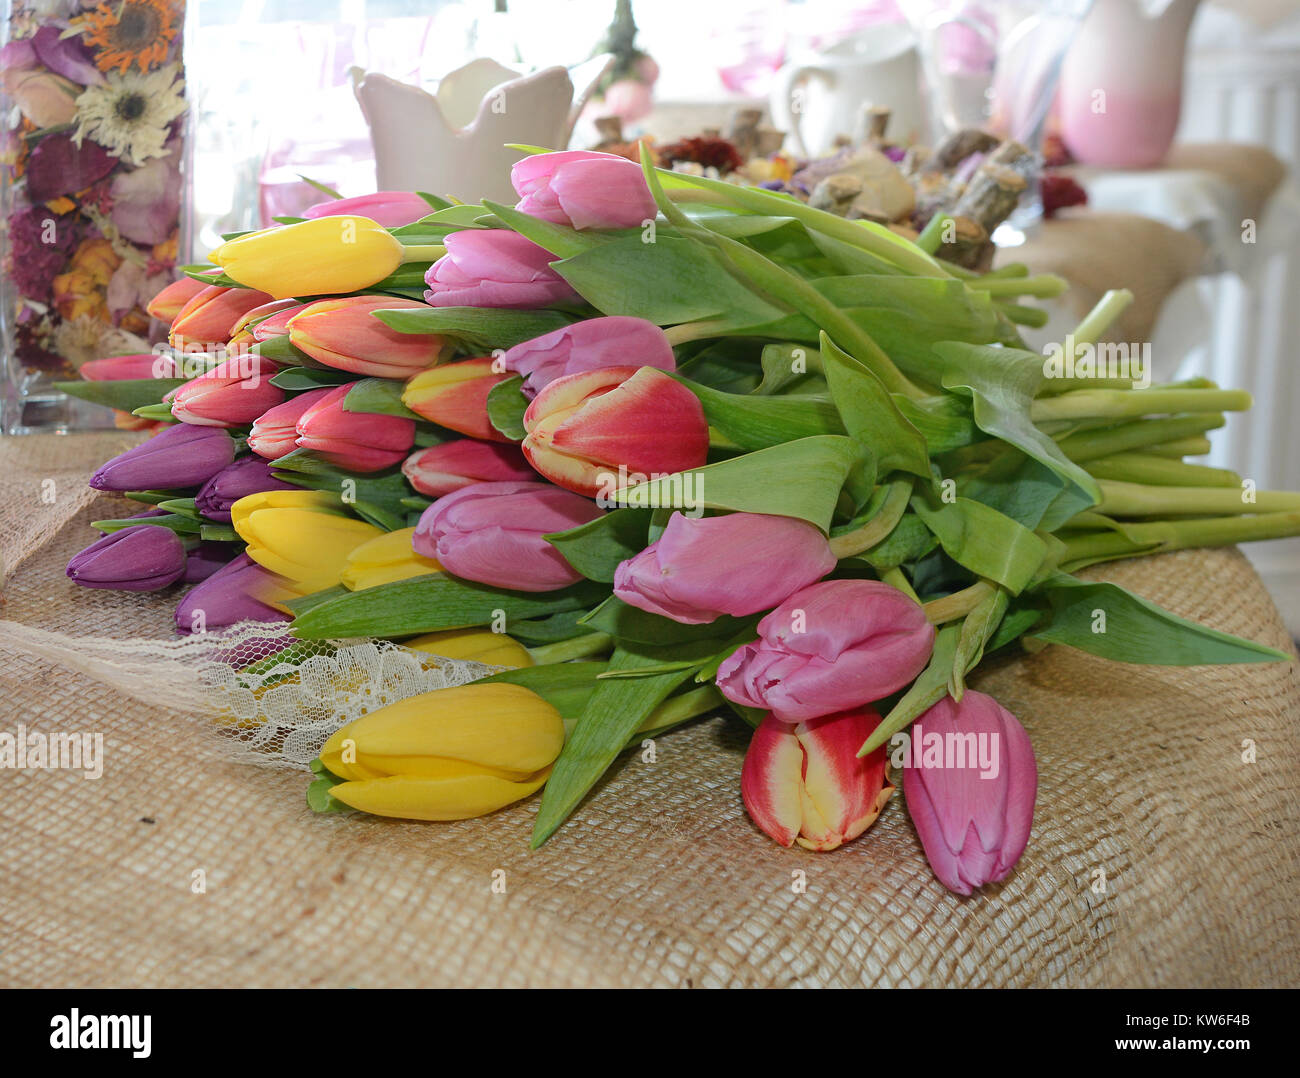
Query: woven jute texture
x: 1159, y: 857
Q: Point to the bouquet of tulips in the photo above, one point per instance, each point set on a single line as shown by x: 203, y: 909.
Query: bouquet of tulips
x: 657, y: 445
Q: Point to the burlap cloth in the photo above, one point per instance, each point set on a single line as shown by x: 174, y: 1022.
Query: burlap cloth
x: 659, y: 879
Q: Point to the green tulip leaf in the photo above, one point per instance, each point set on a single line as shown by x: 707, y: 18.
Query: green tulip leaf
x: 506, y: 406
x: 378, y: 396
x: 632, y: 626
x: 754, y: 422
x: 565, y: 686
x: 126, y: 394
x: 480, y: 328
x: 300, y: 379
x: 561, y: 240
x: 596, y: 548
x: 983, y: 540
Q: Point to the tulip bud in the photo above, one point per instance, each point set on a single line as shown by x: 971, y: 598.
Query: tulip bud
x: 167, y: 304
x: 492, y: 533
x: 590, y: 345
x: 970, y: 781
x: 124, y: 368
x: 450, y: 754
x: 738, y: 563
x: 324, y: 257
x: 145, y: 557
x: 455, y: 396
x: 210, y: 315
x: 205, y: 559
x: 584, y: 189
x: 232, y: 594
x: 248, y: 325
x: 586, y: 431
x: 233, y: 393
x: 805, y: 783
x: 178, y: 456
x: 473, y: 646
x: 493, y: 267
x: 385, y: 558
x: 440, y: 469
x: 830, y: 647
x: 345, y: 334
x: 275, y: 431
x: 300, y: 536
x: 356, y: 441
x: 392, y: 209
x: 247, y: 475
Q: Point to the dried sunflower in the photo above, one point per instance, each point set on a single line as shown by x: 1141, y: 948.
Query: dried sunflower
x: 131, y: 31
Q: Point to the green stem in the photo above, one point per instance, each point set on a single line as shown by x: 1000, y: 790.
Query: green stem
x: 574, y: 648
x: 695, y: 331
x: 1034, y: 317
x: 897, y: 579
x: 1040, y: 286
x: 1161, y: 471
x: 1099, y: 319
x: 1088, y: 445
x: 931, y: 236
x: 958, y: 604
x: 1181, y: 447
x: 869, y: 236
x: 1131, y: 403
x: 677, y: 710
x: 879, y: 527
x: 423, y: 252
x: 1165, y: 535
x: 1137, y: 500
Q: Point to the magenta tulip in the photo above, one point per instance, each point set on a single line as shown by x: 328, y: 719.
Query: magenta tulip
x: 589, y: 432
x: 492, y: 533
x: 584, y: 189
x: 738, y: 563
x: 178, y: 456
x: 232, y: 594
x: 970, y: 781
x: 806, y: 784
x: 593, y: 344
x: 493, y: 267
x: 441, y: 469
x: 357, y: 441
x: 248, y: 475
x: 234, y: 393
x: 275, y: 432
x: 391, y: 209
x: 831, y: 647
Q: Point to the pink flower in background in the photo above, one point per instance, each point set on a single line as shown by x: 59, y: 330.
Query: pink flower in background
x: 147, y: 199
x: 130, y: 287
x: 584, y: 189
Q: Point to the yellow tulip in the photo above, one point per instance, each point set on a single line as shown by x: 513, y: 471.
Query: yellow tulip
x: 324, y: 256
x: 450, y: 754
x: 307, y: 544
x: 386, y: 558
x: 473, y: 645
x: 320, y: 501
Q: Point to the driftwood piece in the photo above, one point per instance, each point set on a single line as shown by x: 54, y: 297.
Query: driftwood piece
x: 958, y: 146
x: 970, y: 245
x: 991, y: 195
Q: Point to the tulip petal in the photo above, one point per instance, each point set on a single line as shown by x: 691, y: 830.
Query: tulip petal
x: 414, y: 798
x: 770, y: 781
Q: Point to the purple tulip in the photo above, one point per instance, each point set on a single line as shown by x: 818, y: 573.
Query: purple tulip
x: 179, y: 456
x: 593, y: 344
x: 831, y: 647
x: 584, y: 189
x: 738, y: 564
x: 248, y: 475
x: 970, y: 780
x: 492, y: 533
x: 389, y: 208
x: 204, y: 560
x: 145, y: 557
x: 493, y: 267
x: 228, y: 596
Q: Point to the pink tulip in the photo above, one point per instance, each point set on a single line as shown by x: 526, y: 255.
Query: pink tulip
x: 254, y: 319
x: 805, y: 783
x: 970, y: 785
x: 830, y: 647
x: 492, y: 533
x: 275, y: 432
x: 345, y: 334
x: 584, y: 189
x: 589, y: 431
x: 232, y: 394
x: 129, y: 368
x: 210, y: 316
x: 391, y: 209
x: 494, y: 268
x: 593, y: 344
x: 167, y: 304
x: 441, y: 469
x: 357, y: 441
x: 738, y: 563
